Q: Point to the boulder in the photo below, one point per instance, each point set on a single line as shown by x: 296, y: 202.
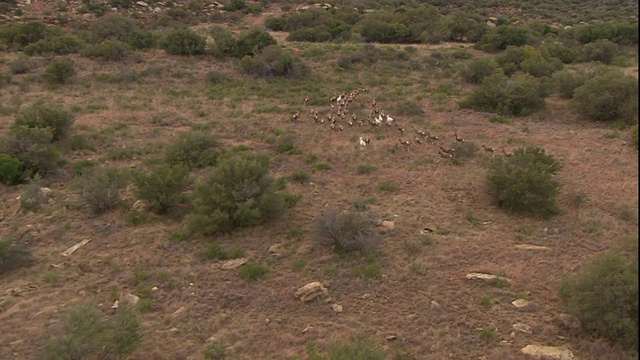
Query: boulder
x: 311, y: 291
x: 233, y: 264
x: 548, y: 352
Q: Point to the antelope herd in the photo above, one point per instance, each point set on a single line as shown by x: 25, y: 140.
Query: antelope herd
x: 339, y: 116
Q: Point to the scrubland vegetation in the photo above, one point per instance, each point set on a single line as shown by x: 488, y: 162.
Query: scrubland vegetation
x: 143, y: 123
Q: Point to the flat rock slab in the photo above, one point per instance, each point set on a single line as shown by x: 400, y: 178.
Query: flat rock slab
x: 233, y: 264
x: 521, y: 327
x: 532, y: 247
x: 522, y: 304
x: 548, y: 352
x: 311, y: 291
x: 486, y: 277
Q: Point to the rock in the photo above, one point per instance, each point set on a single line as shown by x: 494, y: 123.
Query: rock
x: 179, y: 311
x: 523, y: 328
x: 434, y: 304
x: 568, y: 321
x: 142, y: 3
x: 490, y: 24
x: 129, y: 299
x: 388, y: 225
x: 139, y: 206
x: 307, y: 328
x: 157, y: 10
x: 548, y: 352
x: 115, y: 305
x: 276, y: 250
x: 233, y: 264
x: 522, y: 304
x: 391, y: 338
x: 311, y: 291
x: 336, y: 308
x: 486, y: 277
x: 44, y: 193
x: 531, y: 247
x: 493, y: 18
x: 568, y: 27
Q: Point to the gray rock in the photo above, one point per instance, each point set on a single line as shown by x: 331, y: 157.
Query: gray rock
x: 568, y: 321
x: 142, y: 3
x: 129, y: 299
x: 311, y: 291
x: 521, y: 327
x: 548, y: 352
x: 233, y: 264
x: 486, y: 277
x: 531, y: 247
x: 336, y: 308
x: 522, y: 304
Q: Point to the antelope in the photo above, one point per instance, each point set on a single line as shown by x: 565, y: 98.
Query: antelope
x: 296, y: 116
x: 421, y: 133
x: 306, y: 100
x: 507, y: 154
x: 445, y: 155
x: 364, y: 142
x: 488, y: 149
x: 389, y: 120
x: 449, y: 151
x: 400, y: 129
x: 458, y: 139
x: 432, y: 137
x: 373, y: 102
x: 417, y: 140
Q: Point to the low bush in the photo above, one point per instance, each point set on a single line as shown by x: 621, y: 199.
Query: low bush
x: 142, y: 40
x: 35, y: 150
x: 604, y: 296
x: 251, y: 271
x: 13, y: 256
x: 10, y: 170
x: 66, y: 44
x: 87, y: 333
x: 272, y: 61
x: 17, y: 36
x: 108, y: 50
x: 503, y: 36
x: 21, y: 65
x: 100, y: 189
x: 112, y: 26
x: 561, y: 52
x: 183, y: 42
x: 194, y: 149
x: 525, y: 182
x: 601, y: 50
x: 363, y: 348
x: 60, y: 71
x: 46, y: 117
x: 161, y: 187
x: 566, y: 82
x: 475, y: 70
x: 520, y: 94
x: 463, y: 152
x: 347, y: 231
x: 610, y: 96
x: 252, y: 42
x: 238, y: 192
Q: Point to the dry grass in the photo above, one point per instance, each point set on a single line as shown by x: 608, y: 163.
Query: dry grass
x: 262, y: 318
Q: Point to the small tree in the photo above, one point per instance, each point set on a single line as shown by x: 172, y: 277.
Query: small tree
x: 475, y: 70
x: 601, y: 50
x: 525, y: 182
x: 183, y: 42
x: 347, y: 232
x: 100, y: 190
x: 194, y: 149
x: 604, y: 296
x: 161, y: 187
x: 41, y: 116
x: 608, y: 97
x: 60, y: 71
x: 10, y: 170
x: 238, y: 192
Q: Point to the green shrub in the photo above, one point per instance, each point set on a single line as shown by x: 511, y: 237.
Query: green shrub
x: 463, y: 152
x: 46, y: 117
x: 214, y: 351
x: 347, y: 232
x: 475, y: 70
x: 604, y: 296
x: 87, y: 333
x: 362, y: 349
x: 100, y: 190
x: 214, y: 251
x: 366, y: 169
x: 251, y: 271
x: 142, y: 40
x: 388, y: 186
x: 183, y: 42
x: 10, y: 170
x: 272, y: 61
x: 34, y: 148
x: 17, y: 36
x: 108, y: 50
x: 503, y: 36
x: 215, y: 77
x: 112, y: 26
x: 66, y: 44
x: 238, y: 192
x: 567, y: 82
x: 274, y: 23
x: 519, y: 95
x: 252, y: 42
x: 13, y: 256
x: 194, y: 149
x: 161, y: 187
x: 301, y: 177
x: 601, y: 50
x: 40, y: 47
x: 610, y: 96
x: 60, y: 71
x: 21, y: 65
x: 525, y: 182
x: 565, y: 54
